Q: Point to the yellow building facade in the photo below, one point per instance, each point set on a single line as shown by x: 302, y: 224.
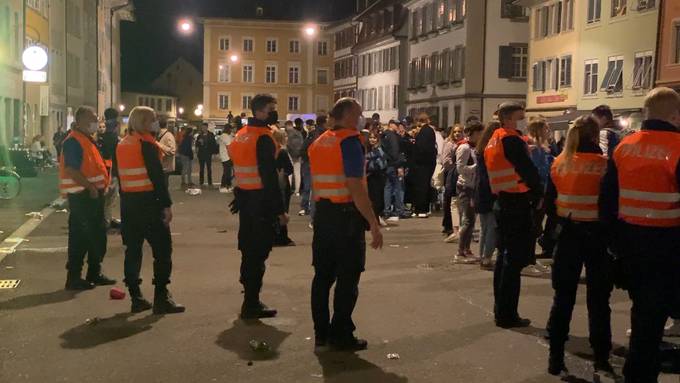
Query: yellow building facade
x: 37, y: 95
x: 292, y: 61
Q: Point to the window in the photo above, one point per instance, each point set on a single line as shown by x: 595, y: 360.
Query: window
x: 168, y: 105
x: 224, y: 43
x: 248, y: 72
x: 247, y: 45
x: 613, y: 79
x: 552, y: 73
x: 677, y: 43
x: 568, y: 15
x: 520, y: 57
x: 322, y: 48
x: 415, y: 23
x: 293, y: 103
x: 223, y: 101
x: 594, y: 10
x: 646, y: 4
x: 270, y: 74
x: 545, y: 21
x: 619, y: 8
x: 538, y: 72
x: 246, y: 102
x: 590, y: 77
x: 272, y: 46
x: 557, y: 18
x: 294, y: 46
x: 294, y: 74
x: 457, y: 64
x: 223, y: 72
x: 511, y: 11
x: 565, y: 72
x: 441, y: 13
x: 642, y: 73
x: 322, y: 76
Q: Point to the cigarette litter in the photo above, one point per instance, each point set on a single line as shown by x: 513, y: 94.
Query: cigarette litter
x: 35, y: 215
x: 393, y: 356
x: 194, y: 192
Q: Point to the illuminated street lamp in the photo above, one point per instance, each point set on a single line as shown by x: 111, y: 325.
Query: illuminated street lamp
x: 198, y: 112
x: 185, y: 26
x: 233, y: 58
x: 35, y: 60
x: 180, y: 110
x: 121, y: 107
x: 310, y: 30
x: 199, y: 107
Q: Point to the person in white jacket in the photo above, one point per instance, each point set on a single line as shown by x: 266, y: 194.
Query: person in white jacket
x: 166, y: 141
x: 223, y: 141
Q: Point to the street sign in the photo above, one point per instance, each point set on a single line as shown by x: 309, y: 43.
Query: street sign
x: 35, y: 76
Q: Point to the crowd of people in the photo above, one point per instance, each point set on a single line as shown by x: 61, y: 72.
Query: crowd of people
x: 598, y: 198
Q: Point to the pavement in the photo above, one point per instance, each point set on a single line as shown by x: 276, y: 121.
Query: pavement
x: 413, y: 302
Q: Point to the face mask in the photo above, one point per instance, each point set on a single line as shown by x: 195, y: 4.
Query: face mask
x: 155, y: 127
x: 361, y: 122
x: 273, y: 117
x: 93, y: 128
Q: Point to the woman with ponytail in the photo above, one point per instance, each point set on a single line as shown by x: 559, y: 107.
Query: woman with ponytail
x: 572, y: 201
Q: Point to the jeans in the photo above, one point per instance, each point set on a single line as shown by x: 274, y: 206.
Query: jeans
x: 467, y: 217
x: 186, y: 168
x: 394, y: 193
x: 306, y: 191
x: 487, y: 238
x: 205, y: 163
x: 227, y: 173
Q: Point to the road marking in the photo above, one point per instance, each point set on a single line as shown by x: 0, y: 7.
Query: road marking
x: 61, y: 249
x: 10, y: 244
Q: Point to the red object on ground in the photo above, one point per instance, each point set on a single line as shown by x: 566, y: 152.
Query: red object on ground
x: 117, y: 293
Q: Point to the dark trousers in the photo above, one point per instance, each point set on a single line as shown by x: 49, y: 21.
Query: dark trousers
x: 515, y: 239
x: 467, y: 217
x: 142, y: 220
x: 376, y: 192
x: 227, y: 173
x: 449, y: 193
x: 582, y: 244
x: 339, y: 256
x: 422, y: 180
x: 653, y: 269
x: 86, y: 234
x: 205, y: 163
x: 255, y: 240
x: 306, y: 186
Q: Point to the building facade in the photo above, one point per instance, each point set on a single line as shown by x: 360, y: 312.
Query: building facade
x: 345, y: 64
x: 182, y: 80
x: 465, y: 58
x: 668, y: 58
x: 164, y: 105
x: 36, y: 94
x: 291, y: 60
x: 11, y: 83
x: 380, y: 54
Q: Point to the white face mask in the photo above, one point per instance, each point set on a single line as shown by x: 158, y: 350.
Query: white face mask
x: 93, y: 128
x: 155, y: 127
x: 361, y: 123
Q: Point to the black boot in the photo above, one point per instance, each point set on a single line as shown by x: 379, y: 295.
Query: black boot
x: 256, y: 310
x: 556, y: 361
x: 602, y: 363
x: 75, y: 283
x: 139, y: 303
x: 100, y: 279
x: 164, y: 304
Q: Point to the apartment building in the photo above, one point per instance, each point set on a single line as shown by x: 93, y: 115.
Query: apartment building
x: 344, y: 34
x: 163, y: 104
x: 11, y: 85
x: 182, y: 80
x: 668, y: 58
x: 292, y: 60
x: 465, y: 58
x: 37, y: 97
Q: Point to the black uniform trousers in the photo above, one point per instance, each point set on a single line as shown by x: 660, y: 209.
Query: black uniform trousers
x: 339, y: 257
x: 579, y: 244
x: 142, y: 219
x: 86, y: 233
x: 255, y: 241
x: 651, y: 259
x: 513, y: 213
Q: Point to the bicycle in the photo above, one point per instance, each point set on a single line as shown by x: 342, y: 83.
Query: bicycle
x: 10, y: 184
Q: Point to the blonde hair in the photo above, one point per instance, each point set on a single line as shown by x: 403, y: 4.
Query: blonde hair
x: 451, y: 133
x: 585, y: 129
x: 661, y: 103
x: 138, y: 116
x: 280, y: 136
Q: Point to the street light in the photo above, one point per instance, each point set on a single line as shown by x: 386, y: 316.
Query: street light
x: 180, y: 110
x: 310, y: 30
x: 199, y: 107
x: 233, y: 58
x: 121, y: 107
x: 186, y: 26
x: 198, y: 112
x: 35, y: 60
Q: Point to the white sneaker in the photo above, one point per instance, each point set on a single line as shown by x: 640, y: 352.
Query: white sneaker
x: 393, y: 219
x: 311, y: 225
x: 453, y: 238
x: 224, y: 190
x: 673, y: 330
x: 423, y: 215
x: 382, y: 221
x: 302, y: 213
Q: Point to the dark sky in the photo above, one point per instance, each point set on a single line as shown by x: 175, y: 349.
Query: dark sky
x: 152, y: 43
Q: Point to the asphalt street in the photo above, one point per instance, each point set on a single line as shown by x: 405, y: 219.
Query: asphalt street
x: 413, y: 302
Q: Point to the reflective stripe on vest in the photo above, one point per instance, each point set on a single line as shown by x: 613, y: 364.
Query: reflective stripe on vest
x: 577, y: 181
x: 646, y: 162
x: 502, y: 174
x: 243, y: 153
x: 132, y: 172
x: 327, y: 166
x: 92, y: 166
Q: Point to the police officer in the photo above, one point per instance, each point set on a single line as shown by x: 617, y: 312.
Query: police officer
x: 571, y: 201
x: 257, y: 200
x: 640, y: 199
x: 515, y: 180
x: 145, y: 210
x: 343, y: 213
x: 84, y: 180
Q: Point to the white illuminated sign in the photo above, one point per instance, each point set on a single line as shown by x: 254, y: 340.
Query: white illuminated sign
x: 34, y: 58
x: 35, y: 76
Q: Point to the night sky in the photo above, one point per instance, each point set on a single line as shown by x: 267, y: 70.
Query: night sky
x: 153, y: 42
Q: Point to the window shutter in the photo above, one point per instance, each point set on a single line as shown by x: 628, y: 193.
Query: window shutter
x: 505, y: 66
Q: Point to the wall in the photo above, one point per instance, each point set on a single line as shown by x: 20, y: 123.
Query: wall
x: 669, y: 71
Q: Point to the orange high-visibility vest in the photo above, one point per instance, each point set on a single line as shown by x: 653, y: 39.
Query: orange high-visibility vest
x: 243, y: 153
x: 502, y: 174
x: 327, y: 167
x: 646, y: 162
x: 132, y: 172
x: 578, y: 185
x: 93, y: 167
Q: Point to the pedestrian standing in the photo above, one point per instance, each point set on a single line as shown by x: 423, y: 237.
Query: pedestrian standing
x: 394, y: 185
x: 515, y: 181
x: 295, y: 143
x: 224, y: 140
x: 306, y: 202
x: 466, y: 167
x: 424, y: 163
x: 343, y: 213
x: 376, y: 165
x: 109, y: 140
x: 166, y: 141
x: 640, y: 203
x: 83, y: 179
x: 146, y: 211
x: 186, y: 155
x: 484, y: 201
x: 451, y: 220
x: 257, y: 199
x: 206, y: 147
x: 542, y: 156
x: 284, y: 168
x: 571, y: 201
x: 58, y: 140
x: 610, y: 132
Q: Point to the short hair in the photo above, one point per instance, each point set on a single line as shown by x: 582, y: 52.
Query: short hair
x: 298, y: 121
x: 309, y: 122
x: 661, y: 103
x: 110, y: 114
x: 473, y: 126
x: 163, y: 121
x: 470, y: 119
x: 138, y: 116
x: 342, y: 106
x: 423, y: 118
x: 375, y: 117
x: 321, y: 120
x: 83, y: 111
x: 260, y: 102
x: 508, y: 108
x: 603, y: 111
